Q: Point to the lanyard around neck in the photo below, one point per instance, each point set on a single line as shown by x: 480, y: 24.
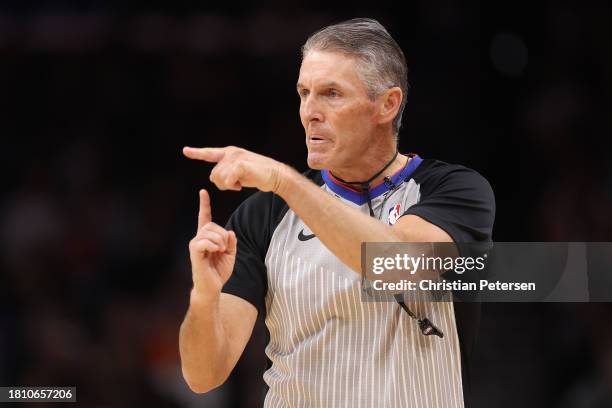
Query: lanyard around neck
x: 365, y: 185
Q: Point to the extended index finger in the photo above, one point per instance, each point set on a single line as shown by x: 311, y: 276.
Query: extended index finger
x: 209, y: 154
x: 204, y: 215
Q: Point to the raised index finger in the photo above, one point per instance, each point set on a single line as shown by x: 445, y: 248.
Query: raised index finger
x: 204, y: 215
x: 209, y: 154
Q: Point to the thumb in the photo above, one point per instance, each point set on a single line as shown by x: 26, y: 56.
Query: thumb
x: 256, y: 174
x: 251, y: 174
x: 232, y: 244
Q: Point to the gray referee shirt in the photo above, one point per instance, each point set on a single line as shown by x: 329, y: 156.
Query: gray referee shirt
x: 326, y: 347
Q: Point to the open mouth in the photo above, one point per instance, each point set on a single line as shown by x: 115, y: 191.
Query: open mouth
x: 316, y: 139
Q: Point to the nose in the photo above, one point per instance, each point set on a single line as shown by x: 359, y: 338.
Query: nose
x: 310, y: 110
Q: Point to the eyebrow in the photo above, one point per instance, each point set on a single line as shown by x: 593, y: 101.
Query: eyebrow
x: 330, y: 84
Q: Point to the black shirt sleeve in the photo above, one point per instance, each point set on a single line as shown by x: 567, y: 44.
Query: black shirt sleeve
x: 461, y: 202
x: 456, y: 199
x: 248, y: 279
x: 253, y: 223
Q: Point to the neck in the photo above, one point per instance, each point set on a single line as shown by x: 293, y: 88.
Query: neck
x: 367, y: 170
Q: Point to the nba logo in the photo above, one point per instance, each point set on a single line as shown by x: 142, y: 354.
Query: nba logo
x: 394, y: 214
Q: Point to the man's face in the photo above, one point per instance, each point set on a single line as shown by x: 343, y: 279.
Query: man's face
x: 338, y: 116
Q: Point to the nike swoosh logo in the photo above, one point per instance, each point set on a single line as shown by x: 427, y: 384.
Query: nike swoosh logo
x: 303, y: 237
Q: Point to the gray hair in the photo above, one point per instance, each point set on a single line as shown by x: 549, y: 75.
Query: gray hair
x: 380, y: 61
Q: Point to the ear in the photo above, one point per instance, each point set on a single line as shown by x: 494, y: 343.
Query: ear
x: 390, y: 102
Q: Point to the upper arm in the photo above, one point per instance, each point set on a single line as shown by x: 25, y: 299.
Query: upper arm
x: 243, y: 295
x: 413, y: 228
x: 238, y: 318
x: 250, y: 222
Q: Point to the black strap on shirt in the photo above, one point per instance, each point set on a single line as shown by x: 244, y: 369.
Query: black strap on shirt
x: 426, y: 326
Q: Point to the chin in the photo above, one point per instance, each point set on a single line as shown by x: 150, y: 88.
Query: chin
x: 316, y: 163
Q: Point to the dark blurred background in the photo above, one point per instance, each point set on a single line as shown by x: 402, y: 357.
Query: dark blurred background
x: 98, y: 97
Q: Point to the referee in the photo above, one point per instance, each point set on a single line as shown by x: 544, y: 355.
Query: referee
x: 291, y: 251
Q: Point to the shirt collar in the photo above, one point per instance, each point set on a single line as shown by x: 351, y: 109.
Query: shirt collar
x: 358, y: 197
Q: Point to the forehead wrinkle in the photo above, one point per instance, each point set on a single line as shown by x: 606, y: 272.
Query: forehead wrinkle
x: 320, y: 71
x: 326, y: 61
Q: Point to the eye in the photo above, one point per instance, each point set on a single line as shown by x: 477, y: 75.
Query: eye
x: 303, y: 93
x: 333, y: 93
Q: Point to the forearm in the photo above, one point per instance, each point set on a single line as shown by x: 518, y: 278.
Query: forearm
x: 340, y: 228
x: 202, y: 346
